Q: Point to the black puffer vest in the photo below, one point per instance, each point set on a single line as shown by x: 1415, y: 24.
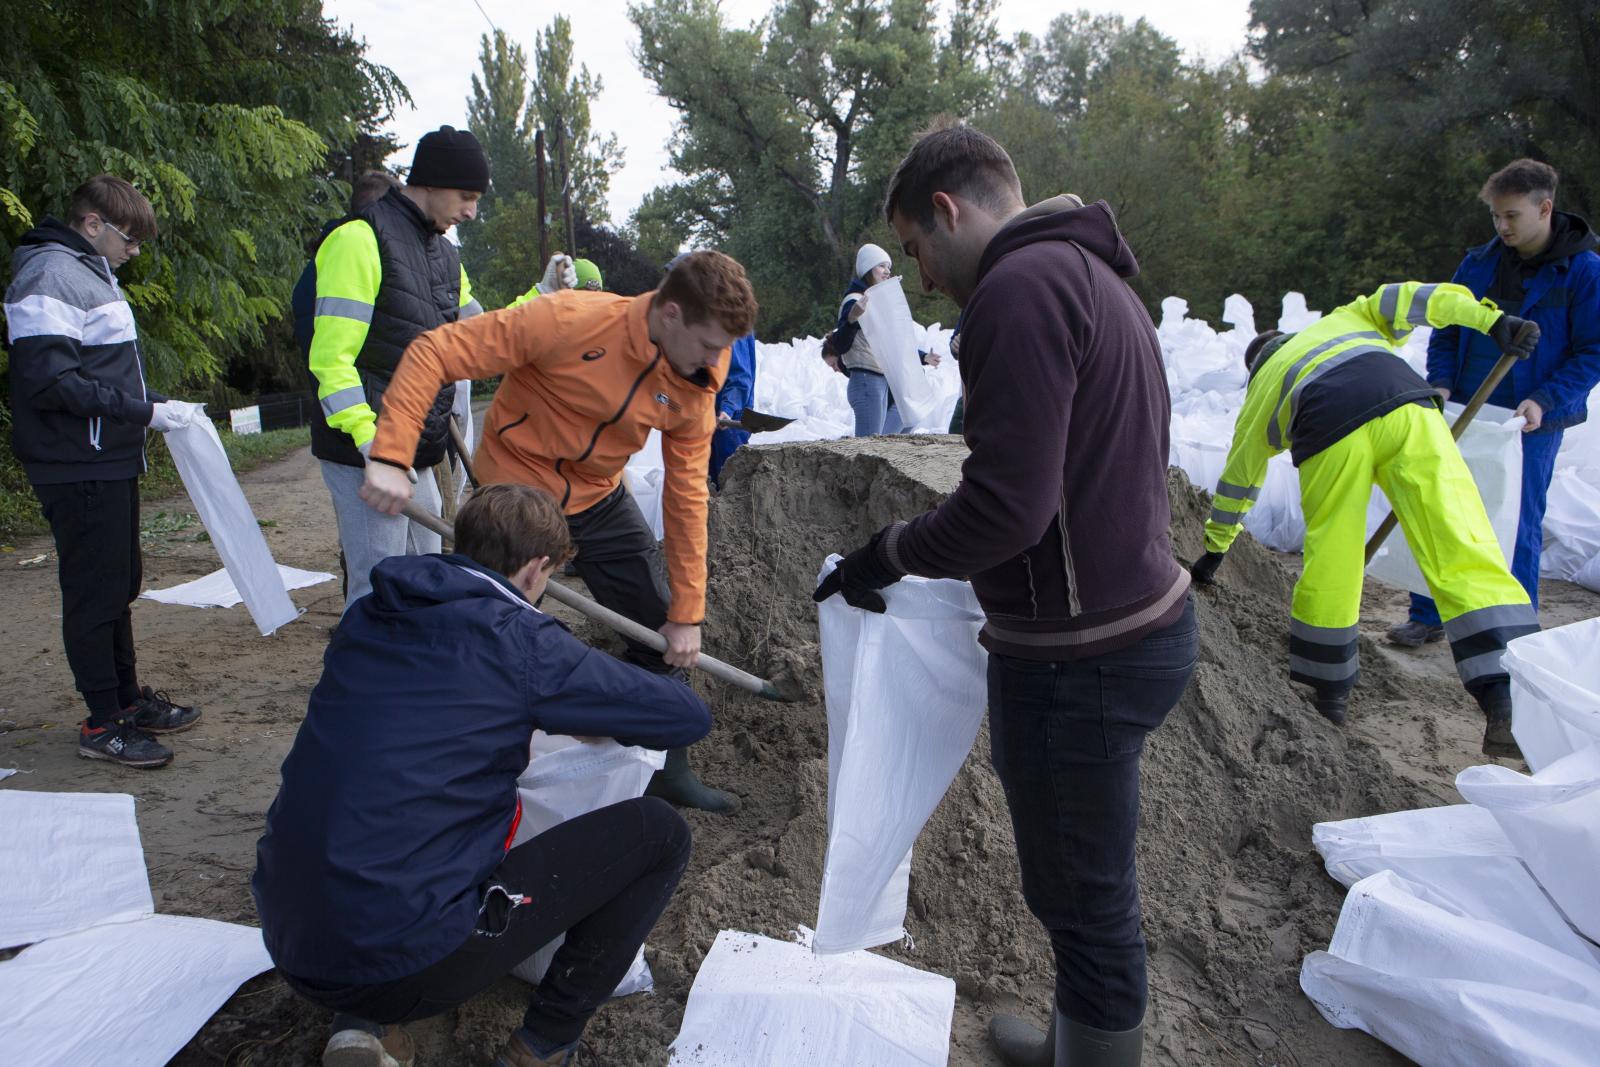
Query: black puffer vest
x: 421, y: 289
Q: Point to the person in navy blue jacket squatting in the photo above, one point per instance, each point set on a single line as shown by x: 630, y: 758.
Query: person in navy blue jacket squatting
x: 385, y: 881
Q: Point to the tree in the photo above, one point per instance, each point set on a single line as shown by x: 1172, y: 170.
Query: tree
x: 788, y: 129
x: 500, y: 247
x: 230, y: 120
x: 562, y: 100
x: 1422, y: 101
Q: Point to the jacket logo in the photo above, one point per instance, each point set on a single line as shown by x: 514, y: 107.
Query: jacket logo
x: 668, y: 402
x: 592, y: 355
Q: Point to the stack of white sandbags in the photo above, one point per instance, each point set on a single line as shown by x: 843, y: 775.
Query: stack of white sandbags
x: 1469, y: 933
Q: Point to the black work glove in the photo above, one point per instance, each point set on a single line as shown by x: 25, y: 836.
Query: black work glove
x: 1204, y: 569
x: 1514, y: 336
x: 859, y: 576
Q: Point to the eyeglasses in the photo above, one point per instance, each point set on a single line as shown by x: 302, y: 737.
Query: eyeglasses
x: 131, y: 242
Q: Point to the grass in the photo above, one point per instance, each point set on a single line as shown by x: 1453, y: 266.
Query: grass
x: 19, y: 508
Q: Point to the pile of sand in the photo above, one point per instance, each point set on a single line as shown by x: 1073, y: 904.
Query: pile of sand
x: 1233, y: 894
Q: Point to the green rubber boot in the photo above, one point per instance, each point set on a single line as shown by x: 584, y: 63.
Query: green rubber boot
x: 1078, y: 1045
x: 677, y: 784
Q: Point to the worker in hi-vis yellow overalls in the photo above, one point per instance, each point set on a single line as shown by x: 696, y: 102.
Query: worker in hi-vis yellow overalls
x: 1352, y: 414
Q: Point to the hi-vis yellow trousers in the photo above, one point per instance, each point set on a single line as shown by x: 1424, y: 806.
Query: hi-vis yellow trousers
x: 1410, y: 454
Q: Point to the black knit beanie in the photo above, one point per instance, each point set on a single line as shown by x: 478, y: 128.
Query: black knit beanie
x: 448, y: 158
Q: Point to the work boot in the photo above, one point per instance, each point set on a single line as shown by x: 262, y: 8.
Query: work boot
x: 122, y: 742
x: 1021, y: 1044
x: 518, y: 1052
x: 359, y: 1043
x: 1078, y: 1045
x: 678, y: 784
x: 1495, y: 700
x: 1412, y: 634
x: 155, y: 713
x: 1331, y: 708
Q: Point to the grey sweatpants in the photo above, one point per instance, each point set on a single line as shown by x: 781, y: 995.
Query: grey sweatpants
x: 367, y: 535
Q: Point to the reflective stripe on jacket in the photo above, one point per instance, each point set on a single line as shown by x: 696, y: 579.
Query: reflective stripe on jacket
x: 1342, y: 352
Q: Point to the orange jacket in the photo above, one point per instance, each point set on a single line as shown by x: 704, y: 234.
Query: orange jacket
x: 583, y: 388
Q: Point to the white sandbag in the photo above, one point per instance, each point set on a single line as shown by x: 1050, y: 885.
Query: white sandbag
x: 129, y: 993
x: 643, y: 476
x: 1553, y: 820
x: 905, y: 696
x: 1449, y: 989
x: 757, y: 1002
x: 1492, y: 448
x: 67, y: 862
x: 567, y: 778
x: 1572, y: 526
x: 1555, y: 691
x: 216, y: 590
x: 197, y: 451
x: 893, y: 335
x: 1458, y: 852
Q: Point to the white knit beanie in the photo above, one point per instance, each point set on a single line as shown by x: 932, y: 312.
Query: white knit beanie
x: 869, y: 256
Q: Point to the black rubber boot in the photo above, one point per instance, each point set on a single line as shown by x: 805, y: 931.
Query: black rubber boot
x: 1495, y: 700
x: 1078, y: 1045
x: 1021, y: 1044
x: 677, y: 783
x: 1332, y: 709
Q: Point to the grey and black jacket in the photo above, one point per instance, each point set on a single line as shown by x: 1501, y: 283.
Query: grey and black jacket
x: 79, y: 403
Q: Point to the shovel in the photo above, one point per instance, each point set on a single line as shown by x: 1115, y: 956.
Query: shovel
x: 620, y: 623
x: 756, y: 422
x: 1526, y: 338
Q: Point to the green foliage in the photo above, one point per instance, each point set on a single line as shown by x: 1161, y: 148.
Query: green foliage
x: 229, y: 117
x: 510, y: 102
x: 1349, y: 154
x: 789, y: 129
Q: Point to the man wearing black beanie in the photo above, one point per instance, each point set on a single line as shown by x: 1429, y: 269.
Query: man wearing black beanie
x: 383, y: 276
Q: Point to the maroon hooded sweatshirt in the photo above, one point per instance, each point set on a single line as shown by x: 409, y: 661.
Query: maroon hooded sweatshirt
x: 1061, y: 516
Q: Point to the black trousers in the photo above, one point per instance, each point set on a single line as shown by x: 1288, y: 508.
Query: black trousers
x: 96, y: 529
x: 1066, y: 740
x: 620, y: 562
x: 603, y: 879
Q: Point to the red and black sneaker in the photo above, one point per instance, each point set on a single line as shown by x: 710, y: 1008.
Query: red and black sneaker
x: 155, y: 713
x: 121, y: 742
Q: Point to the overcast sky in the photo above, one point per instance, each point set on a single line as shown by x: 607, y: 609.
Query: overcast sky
x: 434, y: 50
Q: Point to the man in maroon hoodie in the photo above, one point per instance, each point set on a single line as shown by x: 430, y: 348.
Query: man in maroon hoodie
x: 1060, y: 521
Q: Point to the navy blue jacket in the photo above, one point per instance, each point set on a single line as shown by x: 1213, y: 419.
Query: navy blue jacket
x: 1564, y: 299
x: 399, y: 795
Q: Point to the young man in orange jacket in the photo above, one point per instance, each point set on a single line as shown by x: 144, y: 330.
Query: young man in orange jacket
x: 587, y: 376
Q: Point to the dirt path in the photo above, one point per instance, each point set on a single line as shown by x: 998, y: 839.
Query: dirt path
x: 200, y: 817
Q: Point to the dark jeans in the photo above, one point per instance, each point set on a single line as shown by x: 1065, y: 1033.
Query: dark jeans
x: 619, y: 561
x: 96, y: 529
x: 603, y: 879
x: 1065, y: 739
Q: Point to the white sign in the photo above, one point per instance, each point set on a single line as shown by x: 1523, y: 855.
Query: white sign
x: 246, y: 420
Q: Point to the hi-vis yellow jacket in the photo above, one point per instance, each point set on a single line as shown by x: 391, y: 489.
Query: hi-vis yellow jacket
x: 1327, y: 380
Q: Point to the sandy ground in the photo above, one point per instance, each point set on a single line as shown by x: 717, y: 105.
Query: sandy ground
x: 1234, y: 896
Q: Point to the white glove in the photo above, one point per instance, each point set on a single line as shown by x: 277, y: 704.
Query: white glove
x: 365, y: 449
x: 559, y: 274
x: 173, y: 414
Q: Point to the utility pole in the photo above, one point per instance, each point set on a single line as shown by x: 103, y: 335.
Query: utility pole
x: 566, y: 187
x: 538, y: 159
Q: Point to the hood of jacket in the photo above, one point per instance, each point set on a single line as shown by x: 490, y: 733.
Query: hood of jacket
x: 405, y: 584
x: 52, y: 234
x: 1064, y: 218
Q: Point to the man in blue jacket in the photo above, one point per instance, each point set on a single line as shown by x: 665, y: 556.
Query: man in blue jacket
x: 1542, y: 266
x: 737, y: 392
x: 384, y: 882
